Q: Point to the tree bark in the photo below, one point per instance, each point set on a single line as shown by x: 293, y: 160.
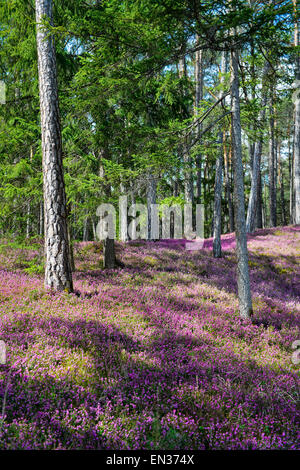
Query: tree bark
x: 175, y: 187
x: 109, y: 257
x: 243, y: 280
x: 259, y: 207
x: 188, y: 178
x: 265, y: 206
x: 228, y: 186
x: 72, y: 263
x: 255, y: 174
x: 198, y: 98
x: 70, y: 237
x: 151, y: 199
x: 282, y: 201
x: 123, y: 214
x: 291, y: 176
x: 28, y: 212
x: 41, y: 219
x: 104, y: 154
x: 85, y: 230
x: 133, y: 201
x: 94, y: 230
x: 272, y: 156
x: 58, y: 274
x: 297, y: 124
x: 217, y: 226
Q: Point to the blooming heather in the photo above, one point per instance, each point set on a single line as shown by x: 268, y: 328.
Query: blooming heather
x: 152, y: 356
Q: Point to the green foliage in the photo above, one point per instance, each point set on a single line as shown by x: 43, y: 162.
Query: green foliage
x: 126, y: 111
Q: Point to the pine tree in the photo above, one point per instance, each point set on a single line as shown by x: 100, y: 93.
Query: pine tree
x: 243, y: 280
x: 58, y: 274
x: 297, y: 120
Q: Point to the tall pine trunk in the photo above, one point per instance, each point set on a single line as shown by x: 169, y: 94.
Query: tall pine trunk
x: 280, y: 175
x: 243, y: 280
x: 259, y: 206
x: 85, y: 230
x: 41, y: 218
x: 296, y: 165
x: 70, y: 237
x: 28, y: 213
x: 188, y: 177
x: 272, y: 165
x: 291, y: 176
x: 198, y: 99
x: 58, y: 274
x: 109, y: 257
x: 151, y: 200
x: 254, y: 206
x: 123, y: 202
x: 217, y: 226
x: 228, y: 185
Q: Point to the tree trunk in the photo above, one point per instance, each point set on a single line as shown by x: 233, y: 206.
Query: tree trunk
x: 85, y: 229
x: 198, y: 99
x: 259, y: 208
x: 292, y: 190
x: 253, y: 208
x: 253, y: 204
x: 133, y: 201
x: 282, y: 201
x: 28, y: 220
x: 297, y: 124
x: 265, y: 217
x: 272, y: 178
x: 109, y: 257
x: 58, y: 274
x: 41, y: 221
x: 72, y: 263
x: 228, y: 186
x: 205, y: 189
x: 123, y: 225
x: 104, y: 154
x: 243, y: 280
x: 28, y: 215
x: 151, y: 199
x: 175, y: 187
x: 291, y: 176
x: 70, y: 237
x: 217, y: 216
x: 188, y: 178
x: 94, y: 230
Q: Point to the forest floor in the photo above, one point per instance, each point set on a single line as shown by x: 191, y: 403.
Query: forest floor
x: 152, y: 356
